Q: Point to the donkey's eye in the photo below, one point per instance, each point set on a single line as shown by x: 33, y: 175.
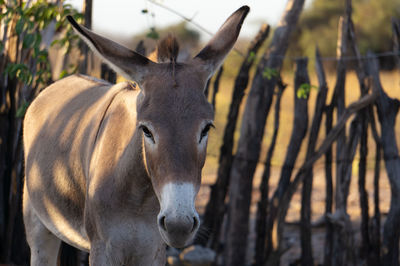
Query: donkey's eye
x: 147, y: 132
x: 204, y: 132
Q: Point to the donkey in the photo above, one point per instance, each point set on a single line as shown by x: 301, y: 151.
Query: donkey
x: 114, y: 170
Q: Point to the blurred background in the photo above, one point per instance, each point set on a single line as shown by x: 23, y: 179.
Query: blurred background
x: 38, y: 47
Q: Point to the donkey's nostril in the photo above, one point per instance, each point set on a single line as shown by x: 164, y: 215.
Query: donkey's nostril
x: 161, y: 222
x: 195, y: 223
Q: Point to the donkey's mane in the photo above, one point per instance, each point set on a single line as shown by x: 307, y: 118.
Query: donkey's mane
x: 167, y: 50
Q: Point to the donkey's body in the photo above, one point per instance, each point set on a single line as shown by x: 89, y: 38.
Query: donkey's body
x: 113, y: 170
x: 89, y: 123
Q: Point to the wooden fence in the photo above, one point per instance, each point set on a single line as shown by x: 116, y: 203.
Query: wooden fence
x: 230, y: 197
x: 227, y: 217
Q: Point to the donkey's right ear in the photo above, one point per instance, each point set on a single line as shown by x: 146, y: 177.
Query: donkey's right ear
x: 214, y: 53
x: 122, y: 60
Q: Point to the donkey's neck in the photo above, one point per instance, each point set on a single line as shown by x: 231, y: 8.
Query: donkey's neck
x: 123, y: 147
x: 136, y: 182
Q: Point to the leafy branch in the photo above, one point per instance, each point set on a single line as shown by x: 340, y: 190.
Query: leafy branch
x: 31, y: 67
x: 269, y: 73
x: 304, y: 90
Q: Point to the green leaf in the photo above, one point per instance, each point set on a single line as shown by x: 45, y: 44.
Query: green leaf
x: 42, y: 56
x: 24, y: 75
x: 22, y: 110
x: 30, y: 25
x: 38, y: 39
x: 269, y: 73
x: 54, y: 42
x: 63, y: 74
x: 305, y: 86
x: 28, y: 40
x: 303, y: 91
x: 2, y: 15
x: 12, y: 69
x: 20, y: 26
x: 251, y: 57
x: 301, y: 95
x: 59, y: 24
x: 153, y: 34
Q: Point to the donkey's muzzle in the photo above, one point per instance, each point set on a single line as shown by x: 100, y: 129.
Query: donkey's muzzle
x: 178, y: 230
x: 178, y: 220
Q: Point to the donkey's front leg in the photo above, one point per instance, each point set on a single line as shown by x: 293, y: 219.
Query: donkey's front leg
x: 43, y: 244
x: 98, y: 256
x: 102, y: 254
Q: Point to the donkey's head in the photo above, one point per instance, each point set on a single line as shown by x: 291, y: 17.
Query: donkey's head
x: 173, y: 119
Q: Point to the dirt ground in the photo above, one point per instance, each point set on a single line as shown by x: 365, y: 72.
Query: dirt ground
x: 318, y: 206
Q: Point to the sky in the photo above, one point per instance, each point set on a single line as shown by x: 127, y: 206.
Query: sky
x: 124, y: 17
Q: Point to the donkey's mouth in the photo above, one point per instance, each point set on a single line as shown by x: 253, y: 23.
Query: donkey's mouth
x: 177, y: 240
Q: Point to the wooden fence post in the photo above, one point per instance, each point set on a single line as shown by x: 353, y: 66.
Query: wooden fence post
x: 396, y: 40
x: 341, y: 185
x: 262, y: 206
x: 370, y: 243
x: 387, y: 112
x: 375, y: 230
x: 300, y: 175
x: 329, y: 184
x: 343, y: 239
x: 215, y: 207
x: 306, y: 240
x: 254, y: 119
x: 84, y: 64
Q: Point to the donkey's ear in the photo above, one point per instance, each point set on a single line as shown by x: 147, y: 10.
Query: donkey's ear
x: 124, y: 61
x: 214, y: 53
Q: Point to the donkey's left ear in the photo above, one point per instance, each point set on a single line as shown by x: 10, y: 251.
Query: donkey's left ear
x: 214, y: 53
x: 124, y: 61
